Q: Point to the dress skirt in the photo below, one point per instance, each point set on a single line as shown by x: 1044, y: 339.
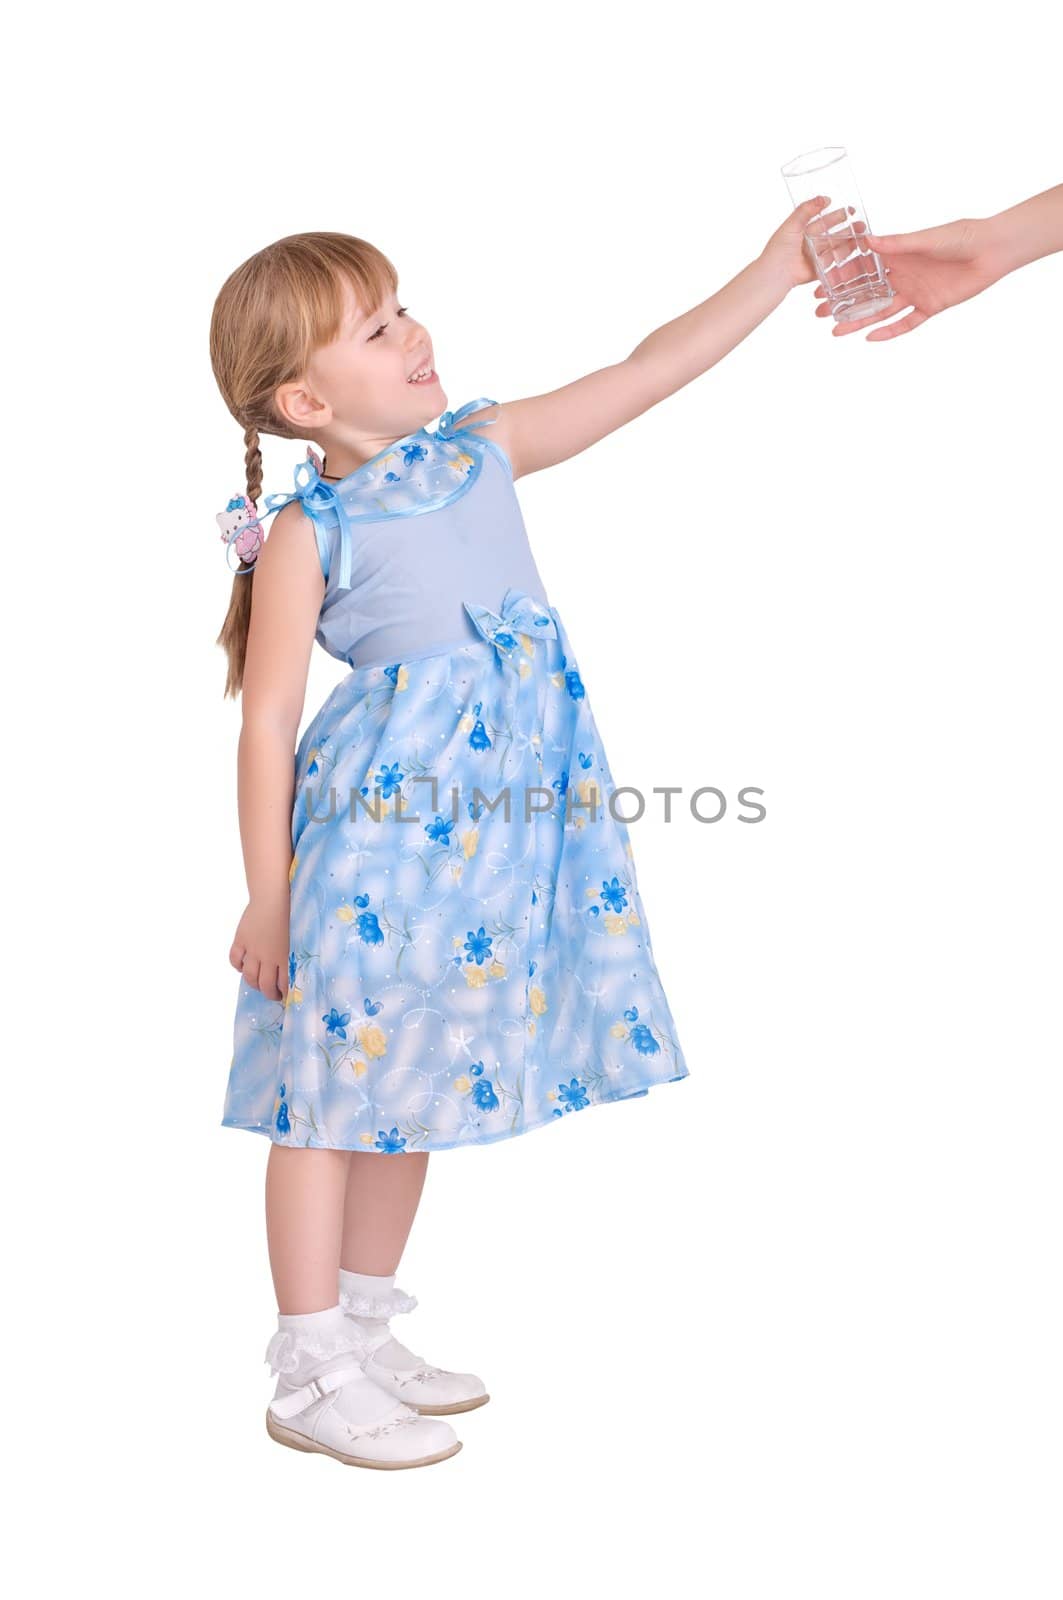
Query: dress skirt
x: 455, y: 975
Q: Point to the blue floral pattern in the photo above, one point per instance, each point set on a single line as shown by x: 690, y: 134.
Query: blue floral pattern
x: 472, y: 975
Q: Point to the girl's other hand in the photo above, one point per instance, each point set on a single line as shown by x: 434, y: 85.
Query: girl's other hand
x: 928, y: 271
x: 785, y: 251
x: 260, y: 947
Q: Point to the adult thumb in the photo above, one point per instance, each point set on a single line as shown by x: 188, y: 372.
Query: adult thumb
x: 900, y: 244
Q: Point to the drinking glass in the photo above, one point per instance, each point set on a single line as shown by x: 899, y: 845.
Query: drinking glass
x: 851, y: 273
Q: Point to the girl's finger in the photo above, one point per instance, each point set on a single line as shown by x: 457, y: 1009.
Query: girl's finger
x: 912, y: 320
x: 237, y: 953
x: 839, y: 245
x: 839, y: 276
x: 832, y: 218
x: 268, y: 985
x: 250, y: 971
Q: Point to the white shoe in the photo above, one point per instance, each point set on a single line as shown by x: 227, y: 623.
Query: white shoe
x: 307, y: 1419
x: 407, y: 1377
x: 325, y: 1403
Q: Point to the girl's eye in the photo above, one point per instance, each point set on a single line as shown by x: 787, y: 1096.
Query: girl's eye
x: 401, y: 312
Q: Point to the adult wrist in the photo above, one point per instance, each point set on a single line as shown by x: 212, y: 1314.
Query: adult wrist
x: 1001, y: 244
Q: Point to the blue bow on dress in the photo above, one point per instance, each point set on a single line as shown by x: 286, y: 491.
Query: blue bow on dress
x: 314, y: 491
x: 446, y: 427
x: 521, y: 613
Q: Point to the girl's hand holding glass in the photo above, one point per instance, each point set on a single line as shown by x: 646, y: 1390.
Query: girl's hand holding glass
x: 785, y: 250
x: 852, y: 277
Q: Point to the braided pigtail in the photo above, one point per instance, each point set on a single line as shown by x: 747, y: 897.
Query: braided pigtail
x: 235, y: 628
x: 253, y: 464
x: 271, y: 314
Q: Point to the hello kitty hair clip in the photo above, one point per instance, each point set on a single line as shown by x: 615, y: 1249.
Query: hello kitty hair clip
x: 241, y: 525
x: 240, y: 528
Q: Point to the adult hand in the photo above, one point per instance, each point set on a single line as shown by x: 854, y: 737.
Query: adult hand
x: 928, y: 271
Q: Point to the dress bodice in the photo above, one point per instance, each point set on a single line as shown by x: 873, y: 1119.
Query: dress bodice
x: 406, y: 538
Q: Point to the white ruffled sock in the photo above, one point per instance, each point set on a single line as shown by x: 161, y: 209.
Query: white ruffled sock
x: 363, y: 1283
x: 392, y: 1354
x: 315, y: 1342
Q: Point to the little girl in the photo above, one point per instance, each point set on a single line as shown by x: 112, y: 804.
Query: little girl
x: 444, y: 943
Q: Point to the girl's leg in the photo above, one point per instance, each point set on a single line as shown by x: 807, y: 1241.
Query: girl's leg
x: 383, y: 1192
x: 325, y: 1400
x: 304, y: 1224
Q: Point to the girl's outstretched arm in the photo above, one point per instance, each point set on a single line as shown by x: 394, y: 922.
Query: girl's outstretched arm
x: 287, y: 596
x: 543, y: 429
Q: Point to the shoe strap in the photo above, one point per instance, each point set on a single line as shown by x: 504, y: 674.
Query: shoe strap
x: 416, y: 1372
x: 290, y: 1405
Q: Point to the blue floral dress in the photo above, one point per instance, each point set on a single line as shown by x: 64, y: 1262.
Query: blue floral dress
x: 469, y: 953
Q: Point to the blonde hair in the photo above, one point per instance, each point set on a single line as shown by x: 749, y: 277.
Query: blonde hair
x: 270, y: 315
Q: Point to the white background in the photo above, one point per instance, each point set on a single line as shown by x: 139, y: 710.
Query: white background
x: 791, y: 1327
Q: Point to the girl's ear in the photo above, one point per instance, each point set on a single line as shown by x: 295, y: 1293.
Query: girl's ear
x: 301, y: 409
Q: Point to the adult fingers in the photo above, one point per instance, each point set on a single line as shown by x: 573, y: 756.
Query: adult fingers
x: 857, y: 324
x: 906, y: 324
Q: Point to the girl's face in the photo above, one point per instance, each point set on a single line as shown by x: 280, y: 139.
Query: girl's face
x: 356, y: 395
